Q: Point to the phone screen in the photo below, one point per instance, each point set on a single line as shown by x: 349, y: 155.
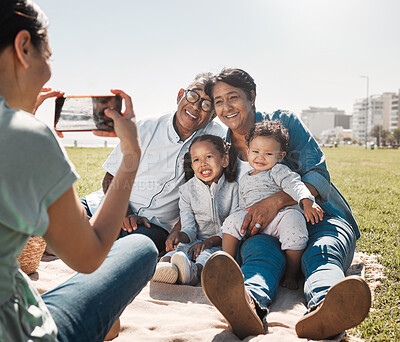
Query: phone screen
x: 85, y: 113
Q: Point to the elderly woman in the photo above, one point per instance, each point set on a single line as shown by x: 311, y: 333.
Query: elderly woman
x: 335, y: 303
x: 37, y: 198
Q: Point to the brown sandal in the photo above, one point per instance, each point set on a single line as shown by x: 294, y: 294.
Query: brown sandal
x: 346, y: 305
x: 223, y: 284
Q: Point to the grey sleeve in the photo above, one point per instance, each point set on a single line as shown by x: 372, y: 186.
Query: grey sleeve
x: 188, y: 221
x: 291, y: 183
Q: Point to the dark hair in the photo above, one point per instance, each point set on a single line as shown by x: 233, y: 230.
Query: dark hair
x: 17, y: 15
x: 237, y: 78
x: 273, y: 129
x: 223, y: 147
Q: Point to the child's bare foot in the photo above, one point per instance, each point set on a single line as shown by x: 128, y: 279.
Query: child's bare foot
x: 290, y: 282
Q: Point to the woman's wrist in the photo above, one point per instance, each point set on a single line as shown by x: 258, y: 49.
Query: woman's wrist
x: 130, y: 160
x: 130, y: 147
x: 279, y: 200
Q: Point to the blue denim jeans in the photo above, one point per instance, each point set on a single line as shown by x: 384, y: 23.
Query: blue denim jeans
x: 328, y: 255
x: 86, y: 305
x: 157, y: 234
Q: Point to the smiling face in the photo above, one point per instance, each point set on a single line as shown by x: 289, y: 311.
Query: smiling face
x: 190, y: 117
x: 233, y: 107
x: 264, y: 153
x: 207, y: 162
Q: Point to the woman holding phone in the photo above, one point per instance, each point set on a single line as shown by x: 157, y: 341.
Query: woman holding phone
x: 37, y: 198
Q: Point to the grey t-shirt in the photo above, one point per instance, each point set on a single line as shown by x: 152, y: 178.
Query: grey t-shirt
x: 34, y: 172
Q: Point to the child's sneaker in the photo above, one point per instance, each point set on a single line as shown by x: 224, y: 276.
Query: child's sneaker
x: 165, y: 273
x: 187, y: 270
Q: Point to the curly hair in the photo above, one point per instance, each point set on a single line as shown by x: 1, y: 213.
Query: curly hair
x: 273, y: 129
x: 222, y: 147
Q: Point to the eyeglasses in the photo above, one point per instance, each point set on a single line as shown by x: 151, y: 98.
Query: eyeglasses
x: 193, y: 97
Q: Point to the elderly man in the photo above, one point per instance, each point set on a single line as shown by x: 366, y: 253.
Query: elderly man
x: 165, y: 140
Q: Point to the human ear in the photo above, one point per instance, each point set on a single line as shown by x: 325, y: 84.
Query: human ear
x: 180, y: 94
x: 225, y: 161
x: 281, y: 156
x: 22, y: 47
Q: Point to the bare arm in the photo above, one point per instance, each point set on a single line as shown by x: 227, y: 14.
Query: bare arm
x: 90, y: 240
x: 312, y: 189
x: 173, y: 237
x: 81, y: 243
x: 131, y: 222
x: 264, y: 211
x: 177, y: 227
x: 108, y: 177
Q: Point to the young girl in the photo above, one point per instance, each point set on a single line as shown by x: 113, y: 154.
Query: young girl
x: 267, y: 145
x: 208, y: 197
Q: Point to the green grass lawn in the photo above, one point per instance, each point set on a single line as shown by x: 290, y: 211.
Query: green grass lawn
x: 88, y: 163
x: 370, y: 181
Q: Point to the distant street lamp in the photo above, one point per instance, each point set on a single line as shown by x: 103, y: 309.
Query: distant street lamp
x: 367, y: 111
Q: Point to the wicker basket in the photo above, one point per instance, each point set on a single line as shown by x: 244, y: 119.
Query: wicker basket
x: 30, y: 257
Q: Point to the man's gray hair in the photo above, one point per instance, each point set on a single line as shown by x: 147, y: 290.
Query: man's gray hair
x: 202, y: 78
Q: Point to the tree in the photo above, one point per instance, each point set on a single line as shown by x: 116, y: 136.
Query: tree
x: 346, y: 139
x: 385, y: 136
x: 377, y: 133
x: 396, y: 135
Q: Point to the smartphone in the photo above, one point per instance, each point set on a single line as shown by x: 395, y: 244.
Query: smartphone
x: 85, y: 113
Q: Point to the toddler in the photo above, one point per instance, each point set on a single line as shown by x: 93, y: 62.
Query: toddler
x: 208, y: 197
x: 268, y: 142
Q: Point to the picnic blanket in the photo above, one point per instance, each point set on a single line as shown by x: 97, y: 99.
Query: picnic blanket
x: 180, y: 313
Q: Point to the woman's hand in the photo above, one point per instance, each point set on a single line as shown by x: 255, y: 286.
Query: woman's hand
x: 260, y: 213
x: 125, y: 127
x: 44, y: 94
x: 263, y: 212
x: 131, y: 222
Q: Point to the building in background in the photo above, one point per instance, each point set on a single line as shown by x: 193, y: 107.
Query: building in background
x: 335, y: 135
x: 391, y: 112
x: 382, y: 110
x: 320, y: 119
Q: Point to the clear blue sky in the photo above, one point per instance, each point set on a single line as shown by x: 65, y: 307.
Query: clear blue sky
x: 301, y: 53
